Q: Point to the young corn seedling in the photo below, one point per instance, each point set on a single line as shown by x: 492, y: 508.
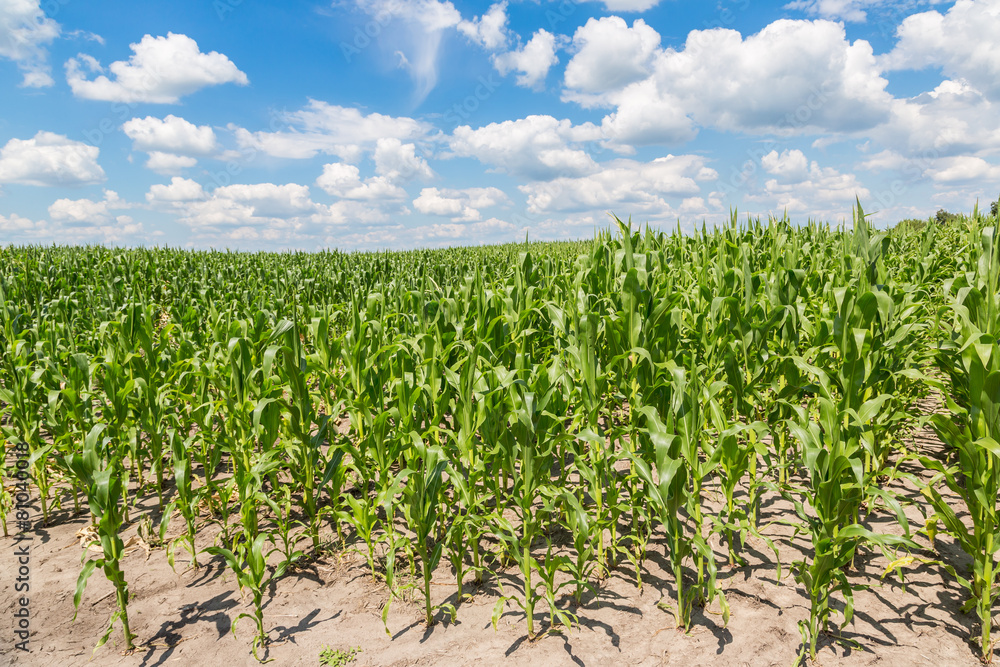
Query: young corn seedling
x: 249, y: 565
x: 421, y: 504
x: 737, y: 463
x: 581, y: 567
x: 187, y: 501
x: 100, y: 469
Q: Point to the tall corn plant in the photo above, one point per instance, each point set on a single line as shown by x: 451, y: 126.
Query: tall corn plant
x: 681, y: 461
x: 833, y: 459
x: 972, y: 428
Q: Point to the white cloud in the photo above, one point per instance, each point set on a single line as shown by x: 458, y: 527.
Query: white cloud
x: 952, y: 119
x: 168, y: 163
x: 344, y: 181
x: 16, y: 226
x: 260, y: 210
x: 460, y: 205
x: 270, y: 215
x: 884, y: 161
x: 533, y: 61
x: 398, y: 162
x: 964, y: 42
x: 49, y: 159
x: 414, y: 29
x: 467, y: 233
x: 536, y: 147
x: 964, y: 169
x: 626, y: 185
x: 331, y: 129
x: 122, y: 228
x: 266, y: 200
x: 723, y: 81
x: 488, y: 30
x: 857, y: 11
x: 395, y: 163
x: 645, y: 116
x: 627, y: 5
x: 846, y: 10
x: 801, y: 186
x: 161, y: 70
x: 170, y: 135
x: 87, y: 211
x: 24, y: 33
x: 610, y: 55
x: 789, y: 164
x: 180, y: 190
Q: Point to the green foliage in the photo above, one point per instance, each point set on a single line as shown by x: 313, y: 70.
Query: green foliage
x: 330, y: 657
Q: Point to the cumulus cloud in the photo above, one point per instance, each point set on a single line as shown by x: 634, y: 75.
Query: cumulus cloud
x: 790, y: 165
x: 723, y: 81
x: 87, y: 211
x: 180, y: 190
x: 964, y: 169
x: 49, y: 159
x: 964, y: 42
x: 624, y: 185
x: 161, y: 70
x: 460, y: 205
x: 233, y: 204
x: 536, y: 147
x: 122, y: 228
x: 532, y: 61
x: 488, y: 30
x: 802, y: 186
x: 399, y: 162
x: 16, y: 226
x: 168, y: 163
x: 954, y: 118
x: 610, y: 55
x: 24, y: 33
x: 444, y: 234
x: 262, y: 213
x: 269, y: 214
x: 344, y: 181
x: 170, y: 135
x: 327, y: 128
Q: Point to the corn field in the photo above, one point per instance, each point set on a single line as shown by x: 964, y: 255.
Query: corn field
x: 643, y: 391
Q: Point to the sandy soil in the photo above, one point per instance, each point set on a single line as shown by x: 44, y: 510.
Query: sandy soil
x: 185, y: 617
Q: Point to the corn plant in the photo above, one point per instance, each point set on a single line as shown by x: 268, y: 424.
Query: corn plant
x: 248, y: 564
x: 421, y: 505
x: 972, y: 428
x: 100, y: 469
x: 188, y: 499
x: 668, y: 493
x: 833, y: 457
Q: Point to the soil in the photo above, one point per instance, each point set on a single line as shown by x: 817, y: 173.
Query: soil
x: 185, y: 617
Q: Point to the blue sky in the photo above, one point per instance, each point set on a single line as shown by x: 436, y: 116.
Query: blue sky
x: 367, y: 124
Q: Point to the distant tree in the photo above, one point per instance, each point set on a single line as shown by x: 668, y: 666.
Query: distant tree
x: 943, y: 217
x: 911, y: 224
x: 995, y: 208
